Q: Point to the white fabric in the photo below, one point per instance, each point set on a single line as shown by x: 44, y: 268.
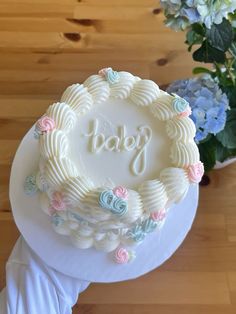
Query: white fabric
x: 35, y: 288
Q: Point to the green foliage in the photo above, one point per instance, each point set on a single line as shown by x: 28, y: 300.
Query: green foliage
x: 227, y: 137
x: 192, y: 38
x: 200, y: 70
x: 217, y: 46
x: 207, y: 151
x: 208, y: 54
x: 220, y: 36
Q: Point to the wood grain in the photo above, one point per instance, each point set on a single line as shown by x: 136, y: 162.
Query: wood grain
x: 45, y: 45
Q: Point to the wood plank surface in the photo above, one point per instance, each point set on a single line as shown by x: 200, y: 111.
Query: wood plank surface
x: 45, y: 45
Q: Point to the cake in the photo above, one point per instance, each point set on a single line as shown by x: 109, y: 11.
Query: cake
x: 115, y: 153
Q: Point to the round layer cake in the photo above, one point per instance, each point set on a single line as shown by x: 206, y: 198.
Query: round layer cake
x: 115, y: 153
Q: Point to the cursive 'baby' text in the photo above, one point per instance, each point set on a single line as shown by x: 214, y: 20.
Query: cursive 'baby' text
x: 122, y: 142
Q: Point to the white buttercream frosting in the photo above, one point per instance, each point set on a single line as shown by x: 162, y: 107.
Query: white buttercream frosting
x: 123, y: 87
x: 63, y: 115
x: 98, y: 88
x: 106, y: 217
x: 58, y: 170
x: 176, y: 183
x: 75, y: 189
x: 144, y: 92
x: 80, y: 241
x: 107, y: 242
x: 162, y: 108
x: 78, y: 97
x: 184, y: 154
x: 53, y: 143
x: 154, y: 195
x: 181, y: 129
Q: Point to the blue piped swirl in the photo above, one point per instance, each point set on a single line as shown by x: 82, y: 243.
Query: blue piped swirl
x: 179, y: 104
x: 116, y: 205
x: 106, y: 199
x: 119, y: 206
x: 57, y: 220
x: 149, y: 225
x: 136, y: 233
x: 30, y: 186
x: 112, y: 76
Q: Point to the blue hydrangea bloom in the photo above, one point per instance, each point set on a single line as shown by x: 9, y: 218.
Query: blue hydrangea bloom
x: 207, y: 102
x: 181, y: 14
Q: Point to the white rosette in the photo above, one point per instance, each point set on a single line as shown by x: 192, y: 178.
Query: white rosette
x: 53, y: 143
x: 98, y: 88
x: 123, y: 87
x: 58, y: 170
x: 162, y: 107
x: 184, y: 154
x: 78, y: 97
x: 144, y: 92
x: 176, y: 183
x: 63, y: 115
x: 181, y: 129
x: 154, y: 196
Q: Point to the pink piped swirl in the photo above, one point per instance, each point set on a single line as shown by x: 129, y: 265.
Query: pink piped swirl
x: 195, y: 172
x: 57, y: 201
x: 104, y: 71
x: 186, y: 113
x: 159, y: 215
x: 45, y: 124
x: 121, y: 192
x: 121, y: 256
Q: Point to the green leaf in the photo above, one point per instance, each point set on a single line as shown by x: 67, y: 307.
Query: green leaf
x: 220, y: 36
x: 227, y: 137
x: 223, y: 153
x: 208, y: 153
x: 193, y: 38
x: 199, y: 29
x: 208, y: 54
x: 199, y: 70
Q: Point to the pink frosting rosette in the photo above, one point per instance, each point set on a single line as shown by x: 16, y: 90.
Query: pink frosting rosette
x: 186, y: 113
x: 195, y: 172
x: 104, y: 71
x: 121, y: 256
x: 57, y: 201
x: 159, y: 215
x: 121, y: 192
x: 45, y: 124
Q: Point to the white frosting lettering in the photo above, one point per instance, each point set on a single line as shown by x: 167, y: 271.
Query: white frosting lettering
x: 122, y: 142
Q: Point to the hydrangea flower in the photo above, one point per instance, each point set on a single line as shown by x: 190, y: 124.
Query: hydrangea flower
x: 180, y: 14
x: 207, y: 102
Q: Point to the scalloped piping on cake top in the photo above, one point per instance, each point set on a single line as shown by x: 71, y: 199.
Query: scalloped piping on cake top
x: 106, y: 218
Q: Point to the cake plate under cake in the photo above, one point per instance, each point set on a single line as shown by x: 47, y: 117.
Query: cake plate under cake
x: 91, y: 265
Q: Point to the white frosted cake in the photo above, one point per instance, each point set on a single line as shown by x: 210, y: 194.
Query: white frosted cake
x: 115, y: 153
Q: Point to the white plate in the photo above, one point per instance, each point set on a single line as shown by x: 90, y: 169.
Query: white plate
x: 57, y: 251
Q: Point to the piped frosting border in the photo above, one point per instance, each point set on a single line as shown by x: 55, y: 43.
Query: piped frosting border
x: 109, y: 218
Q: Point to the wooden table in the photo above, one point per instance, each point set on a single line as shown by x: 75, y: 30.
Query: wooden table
x: 45, y: 45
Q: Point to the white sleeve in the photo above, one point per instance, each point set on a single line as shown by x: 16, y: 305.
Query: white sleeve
x: 32, y: 287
